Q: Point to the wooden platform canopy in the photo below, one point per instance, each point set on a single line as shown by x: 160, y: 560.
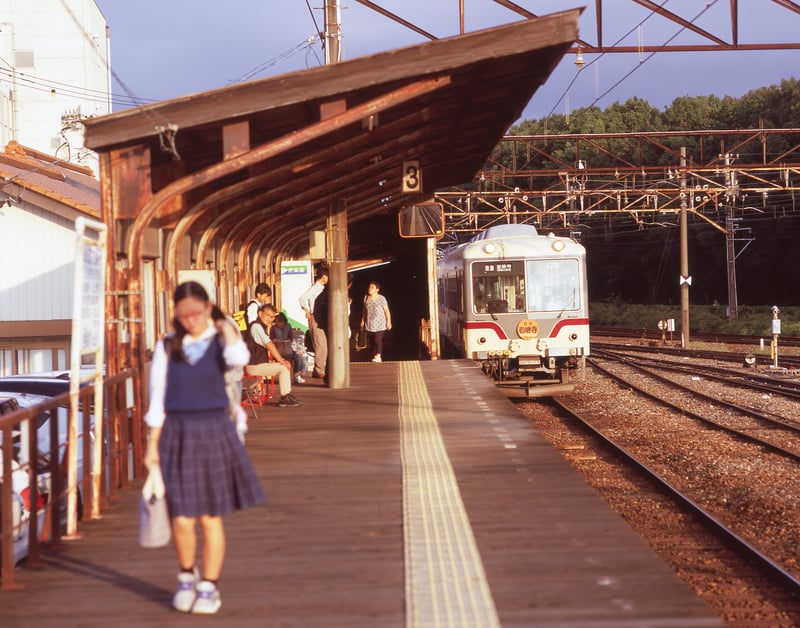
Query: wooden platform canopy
x: 236, y: 178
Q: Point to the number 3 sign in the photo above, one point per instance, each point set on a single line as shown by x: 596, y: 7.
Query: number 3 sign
x: 412, y: 177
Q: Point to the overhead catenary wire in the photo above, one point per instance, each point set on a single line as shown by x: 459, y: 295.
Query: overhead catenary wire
x: 640, y: 62
x: 652, y: 54
x: 307, y: 44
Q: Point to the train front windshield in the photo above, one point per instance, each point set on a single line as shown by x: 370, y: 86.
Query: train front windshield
x: 498, y: 286
x: 553, y: 286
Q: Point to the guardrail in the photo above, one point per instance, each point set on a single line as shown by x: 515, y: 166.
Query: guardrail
x: 122, y: 454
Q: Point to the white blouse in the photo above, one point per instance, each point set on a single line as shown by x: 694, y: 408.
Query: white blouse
x: 234, y: 355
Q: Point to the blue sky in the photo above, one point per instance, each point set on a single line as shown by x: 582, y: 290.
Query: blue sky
x: 162, y: 49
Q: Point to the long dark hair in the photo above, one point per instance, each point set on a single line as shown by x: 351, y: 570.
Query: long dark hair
x: 183, y: 291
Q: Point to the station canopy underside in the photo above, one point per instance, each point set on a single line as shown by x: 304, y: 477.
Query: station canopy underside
x: 260, y: 164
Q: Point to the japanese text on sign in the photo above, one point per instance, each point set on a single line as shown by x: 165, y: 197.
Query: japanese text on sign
x: 497, y: 268
x: 92, y: 295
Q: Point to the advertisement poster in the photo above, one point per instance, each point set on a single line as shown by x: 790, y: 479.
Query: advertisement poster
x: 296, y: 278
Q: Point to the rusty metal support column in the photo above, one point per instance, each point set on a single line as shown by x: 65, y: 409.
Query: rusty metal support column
x: 433, y: 301
x: 338, y: 320
x: 109, y: 219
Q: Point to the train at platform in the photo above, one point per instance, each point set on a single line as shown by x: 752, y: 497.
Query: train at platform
x: 516, y: 302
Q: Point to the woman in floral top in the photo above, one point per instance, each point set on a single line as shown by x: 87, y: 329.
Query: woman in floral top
x: 376, y: 319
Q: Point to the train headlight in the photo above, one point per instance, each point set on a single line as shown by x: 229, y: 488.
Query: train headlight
x: 489, y: 248
x: 482, y: 340
x: 558, y: 245
x: 541, y: 345
x: 573, y: 337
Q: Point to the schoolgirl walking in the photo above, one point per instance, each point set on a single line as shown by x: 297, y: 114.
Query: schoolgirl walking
x: 206, y: 471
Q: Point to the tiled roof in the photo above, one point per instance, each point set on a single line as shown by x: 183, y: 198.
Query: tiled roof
x: 23, y: 168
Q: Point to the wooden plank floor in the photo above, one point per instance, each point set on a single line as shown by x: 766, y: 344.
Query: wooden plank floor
x: 335, y: 543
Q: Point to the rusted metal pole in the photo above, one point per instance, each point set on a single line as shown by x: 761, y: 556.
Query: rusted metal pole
x: 433, y: 301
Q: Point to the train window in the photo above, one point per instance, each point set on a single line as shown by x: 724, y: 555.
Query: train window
x: 450, y: 293
x: 498, y: 286
x: 554, y: 285
x: 454, y: 296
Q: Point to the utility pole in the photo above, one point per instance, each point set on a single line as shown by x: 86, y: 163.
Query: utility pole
x: 686, y: 280
x: 730, y: 256
x: 333, y: 31
x: 730, y: 239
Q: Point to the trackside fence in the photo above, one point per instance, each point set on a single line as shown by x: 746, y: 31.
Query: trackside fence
x: 44, y: 510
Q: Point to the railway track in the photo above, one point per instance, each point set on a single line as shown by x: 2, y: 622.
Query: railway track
x: 722, y: 509
x: 782, y: 382
x: 787, y: 363
x: 752, y: 424
x: 599, y: 331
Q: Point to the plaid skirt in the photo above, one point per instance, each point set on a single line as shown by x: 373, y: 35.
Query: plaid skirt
x: 205, y: 467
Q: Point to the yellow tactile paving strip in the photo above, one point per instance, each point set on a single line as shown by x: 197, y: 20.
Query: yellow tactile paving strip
x: 445, y: 581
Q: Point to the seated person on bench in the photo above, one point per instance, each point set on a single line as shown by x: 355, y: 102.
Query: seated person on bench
x: 281, y: 334
x: 262, y: 348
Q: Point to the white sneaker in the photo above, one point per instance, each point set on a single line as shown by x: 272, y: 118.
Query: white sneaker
x: 207, y: 601
x: 377, y: 358
x: 298, y: 379
x: 185, y: 595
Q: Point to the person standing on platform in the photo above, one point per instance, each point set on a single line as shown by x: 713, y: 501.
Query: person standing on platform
x: 376, y: 319
x: 318, y: 335
x: 206, y: 471
x: 263, y: 296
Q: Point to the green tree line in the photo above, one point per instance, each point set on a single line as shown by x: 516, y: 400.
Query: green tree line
x: 774, y: 107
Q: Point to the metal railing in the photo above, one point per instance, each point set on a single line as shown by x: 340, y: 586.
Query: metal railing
x: 47, y: 490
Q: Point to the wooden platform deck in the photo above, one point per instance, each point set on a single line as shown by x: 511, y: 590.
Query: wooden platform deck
x: 420, y: 496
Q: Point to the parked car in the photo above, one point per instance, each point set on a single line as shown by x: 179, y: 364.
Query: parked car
x: 21, y: 391
x: 20, y: 493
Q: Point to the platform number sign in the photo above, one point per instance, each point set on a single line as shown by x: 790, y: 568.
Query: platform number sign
x: 412, y: 176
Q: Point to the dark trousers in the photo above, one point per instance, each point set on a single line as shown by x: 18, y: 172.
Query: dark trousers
x: 376, y: 341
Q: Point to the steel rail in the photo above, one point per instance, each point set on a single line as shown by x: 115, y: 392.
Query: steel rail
x: 693, y: 415
x: 770, y: 568
x: 718, y: 374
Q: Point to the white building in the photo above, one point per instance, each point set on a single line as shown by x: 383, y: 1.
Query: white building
x: 54, y: 72
x: 39, y: 202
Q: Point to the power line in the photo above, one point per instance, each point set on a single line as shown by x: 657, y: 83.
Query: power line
x: 709, y: 4
x: 47, y: 85
x: 652, y: 54
x: 307, y: 43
